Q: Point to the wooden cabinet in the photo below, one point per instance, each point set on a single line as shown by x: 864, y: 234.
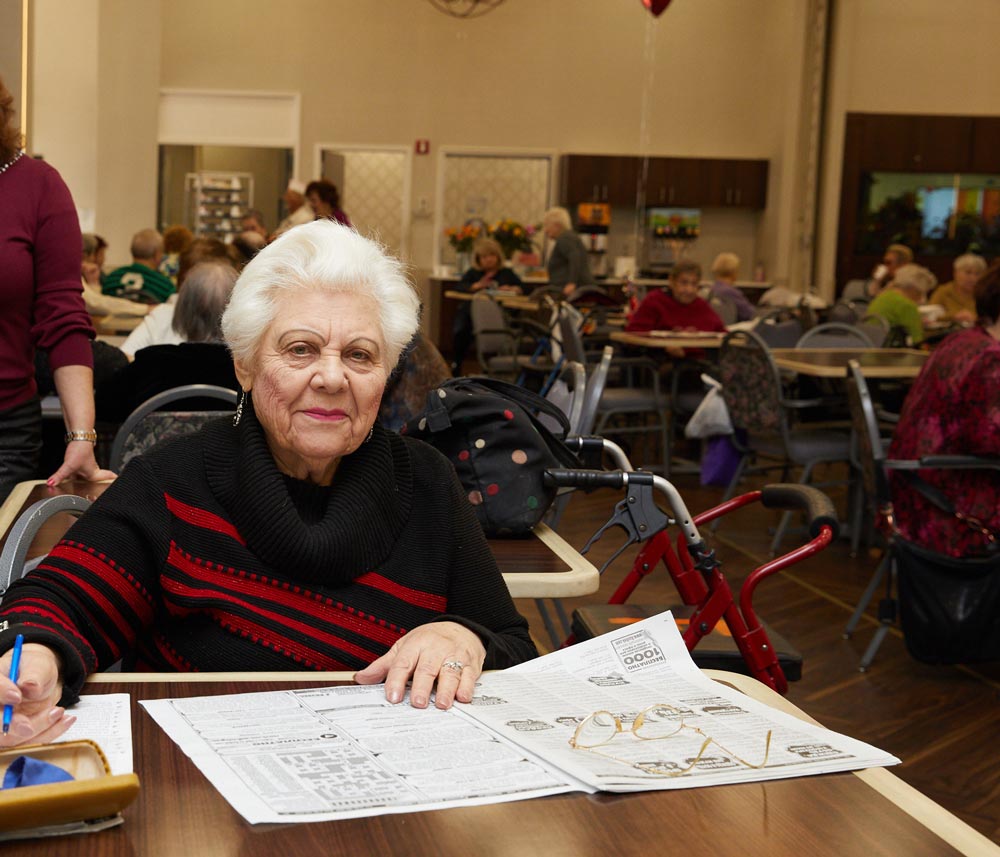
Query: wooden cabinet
x: 901, y: 143
x: 695, y: 182
x: 599, y: 178
x: 675, y: 182
x: 985, y: 157
x: 734, y: 183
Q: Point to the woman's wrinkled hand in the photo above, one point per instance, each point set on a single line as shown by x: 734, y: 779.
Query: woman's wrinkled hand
x: 443, y: 652
x: 37, y: 719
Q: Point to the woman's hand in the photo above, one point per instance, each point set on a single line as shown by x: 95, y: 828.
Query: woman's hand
x: 37, y: 719
x: 484, y: 283
x: 443, y: 651
x: 79, y: 461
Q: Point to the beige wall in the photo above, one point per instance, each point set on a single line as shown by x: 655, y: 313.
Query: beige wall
x: 95, y: 76
x: 904, y: 56
x: 12, y: 51
x: 712, y: 77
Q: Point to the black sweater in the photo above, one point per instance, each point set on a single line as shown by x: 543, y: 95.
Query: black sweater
x: 202, y: 556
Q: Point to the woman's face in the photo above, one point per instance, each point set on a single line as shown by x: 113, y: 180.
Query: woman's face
x: 489, y: 261
x: 317, y: 380
x: 684, y: 287
x: 320, y: 208
x: 965, y: 280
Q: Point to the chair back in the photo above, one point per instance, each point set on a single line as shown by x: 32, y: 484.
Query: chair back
x: 780, y: 329
x: 855, y: 290
x: 150, y: 423
x: 864, y: 422
x: 22, y: 534
x: 751, y: 384
x: 567, y: 393
x: 875, y: 328
x: 833, y: 335
x: 493, y: 336
x: 724, y: 309
x: 570, y: 338
x: 843, y: 312
x: 596, y: 383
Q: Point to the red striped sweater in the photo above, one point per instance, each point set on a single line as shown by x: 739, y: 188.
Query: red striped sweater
x: 202, y: 556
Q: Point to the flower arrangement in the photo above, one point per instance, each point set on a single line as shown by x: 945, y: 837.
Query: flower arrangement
x: 463, y: 237
x: 512, y: 236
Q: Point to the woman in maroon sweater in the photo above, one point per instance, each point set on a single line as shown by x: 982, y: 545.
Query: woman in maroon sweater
x: 41, y: 306
x: 680, y: 309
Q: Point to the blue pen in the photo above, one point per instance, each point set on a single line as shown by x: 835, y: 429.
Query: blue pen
x: 15, y: 665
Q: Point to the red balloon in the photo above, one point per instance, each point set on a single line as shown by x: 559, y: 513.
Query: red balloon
x: 657, y: 7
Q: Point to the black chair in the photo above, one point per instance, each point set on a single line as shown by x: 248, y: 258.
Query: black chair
x: 833, y: 335
x: 150, y: 423
x: 764, y: 415
x: 875, y: 467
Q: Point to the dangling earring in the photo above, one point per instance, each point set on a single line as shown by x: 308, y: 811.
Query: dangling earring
x: 371, y: 432
x: 239, y: 408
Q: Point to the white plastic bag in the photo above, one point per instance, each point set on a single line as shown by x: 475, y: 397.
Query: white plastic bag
x: 711, y: 417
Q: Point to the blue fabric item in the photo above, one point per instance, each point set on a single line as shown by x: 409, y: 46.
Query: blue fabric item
x: 25, y: 771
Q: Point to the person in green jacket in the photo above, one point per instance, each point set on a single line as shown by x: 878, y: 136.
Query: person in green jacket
x: 141, y: 281
x: 898, y: 302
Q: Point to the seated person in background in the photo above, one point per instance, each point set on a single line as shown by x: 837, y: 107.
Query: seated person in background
x: 896, y: 255
x: 176, y: 240
x: 954, y: 408
x: 305, y: 536
x: 420, y: 370
x: 568, y: 265
x: 141, y: 281
x: 324, y: 199
x: 247, y: 245
x: 91, y: 272
x: 488, y: 272
x: 253, y: 221
x: 677, y: 307
x: 298, y: 209
x: 158, y: 327
x: 898, y: 302
x: 200, y: 357
x: 958, y: 296
x: 725, y: 268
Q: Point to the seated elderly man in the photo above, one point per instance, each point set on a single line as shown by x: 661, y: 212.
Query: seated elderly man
x: 898, y: 302
x: 200, y: 358
x: 958, y: 297
x: 141, y: 280
x: 300, y: 535
x: 158, y: 327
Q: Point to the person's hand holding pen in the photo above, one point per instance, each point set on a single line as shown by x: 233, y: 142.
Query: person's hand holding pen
x: 36, y: 717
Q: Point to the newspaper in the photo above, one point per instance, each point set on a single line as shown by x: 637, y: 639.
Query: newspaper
x: 106, y: 719
x: 322, y: 754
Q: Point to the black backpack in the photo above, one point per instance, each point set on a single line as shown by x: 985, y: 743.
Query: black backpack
x: 491, y: 433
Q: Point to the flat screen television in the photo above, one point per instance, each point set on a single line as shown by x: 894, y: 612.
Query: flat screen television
x: 674, y: 223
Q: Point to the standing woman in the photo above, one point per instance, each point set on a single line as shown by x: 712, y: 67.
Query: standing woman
x: 568, y: 266
x: 324, y: 199
x: 41, y: 306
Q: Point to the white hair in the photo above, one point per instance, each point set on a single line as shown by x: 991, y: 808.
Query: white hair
x: 327, y: 256
x: 558, y: 215
x: 970, y: 262
x: 914, y: 277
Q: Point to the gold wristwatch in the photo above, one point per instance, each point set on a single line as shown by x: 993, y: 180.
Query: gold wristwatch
x: 89, y: 435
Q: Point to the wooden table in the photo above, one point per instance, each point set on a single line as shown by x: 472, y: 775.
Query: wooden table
x: 666, y: 342
x: 178, y: 813
x: 541, y: 566
x: 510, y: 300
x: 832, y: 362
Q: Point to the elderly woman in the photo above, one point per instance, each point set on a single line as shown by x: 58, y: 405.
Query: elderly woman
x: 488, y: 272
x: 568, y: 266
x: 958, y: 296
x: 954, y: 408
x: 299, y: 535
x: 897, y: 303
x: 324, y: 199
x: 725, y: 269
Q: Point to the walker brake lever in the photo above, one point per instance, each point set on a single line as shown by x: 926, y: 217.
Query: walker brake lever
x: 636, y: 514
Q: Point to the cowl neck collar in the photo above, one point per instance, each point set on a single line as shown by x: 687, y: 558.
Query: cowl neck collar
x: 367, y: 505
